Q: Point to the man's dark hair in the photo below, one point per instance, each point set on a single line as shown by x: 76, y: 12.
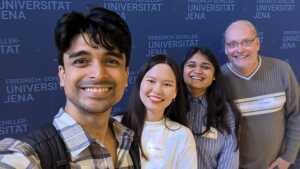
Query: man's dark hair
x: 102, y: 27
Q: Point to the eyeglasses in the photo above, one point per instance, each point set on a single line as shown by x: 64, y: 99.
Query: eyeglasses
x: 243, y: 43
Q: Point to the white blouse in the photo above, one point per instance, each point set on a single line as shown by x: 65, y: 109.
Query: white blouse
x: 168, y: 145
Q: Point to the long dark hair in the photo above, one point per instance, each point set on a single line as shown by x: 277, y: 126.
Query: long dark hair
x: 217, y: 103
x: 134, y: 117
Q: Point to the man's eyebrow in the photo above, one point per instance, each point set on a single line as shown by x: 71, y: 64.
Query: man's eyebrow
x: 77, y: 54
x: 84, y: 52
x: 115, y: 54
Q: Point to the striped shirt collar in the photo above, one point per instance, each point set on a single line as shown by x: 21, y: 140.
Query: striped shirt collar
x: 199, y: 99
x: 229, y: 65
x: 77, y: 140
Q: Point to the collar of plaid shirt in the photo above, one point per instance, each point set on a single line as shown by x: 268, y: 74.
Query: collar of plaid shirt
x: 81, y: 146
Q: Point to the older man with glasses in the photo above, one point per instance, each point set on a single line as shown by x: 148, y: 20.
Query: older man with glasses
x: 266, y: 92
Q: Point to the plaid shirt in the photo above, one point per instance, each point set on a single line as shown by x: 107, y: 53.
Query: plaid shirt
x: 85, y: 152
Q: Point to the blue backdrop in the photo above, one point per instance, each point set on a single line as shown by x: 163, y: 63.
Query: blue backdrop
x: 29, y: 87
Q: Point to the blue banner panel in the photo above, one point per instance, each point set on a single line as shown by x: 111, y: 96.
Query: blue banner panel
x: 29, y: 86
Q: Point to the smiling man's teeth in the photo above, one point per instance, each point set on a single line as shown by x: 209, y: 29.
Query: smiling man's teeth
x: 241, y: 56
x: 103, y: 89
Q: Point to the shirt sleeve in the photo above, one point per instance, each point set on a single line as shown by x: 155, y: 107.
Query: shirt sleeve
x: 292, y: 108
x: 15, y: 154
x: 187, y: 157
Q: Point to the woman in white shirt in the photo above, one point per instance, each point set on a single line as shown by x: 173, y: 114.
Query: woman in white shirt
x: 156, y: 114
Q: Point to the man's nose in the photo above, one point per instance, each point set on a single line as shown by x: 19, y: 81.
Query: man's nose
x: 97, y: 71
x: 240, y: 47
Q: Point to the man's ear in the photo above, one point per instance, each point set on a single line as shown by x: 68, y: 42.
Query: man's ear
x: 127, y: 76
x: 61, y: 75
x: 258, y: 44
x: 225, y: 50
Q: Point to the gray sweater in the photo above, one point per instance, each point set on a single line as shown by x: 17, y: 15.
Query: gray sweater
x: 269, y: 101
